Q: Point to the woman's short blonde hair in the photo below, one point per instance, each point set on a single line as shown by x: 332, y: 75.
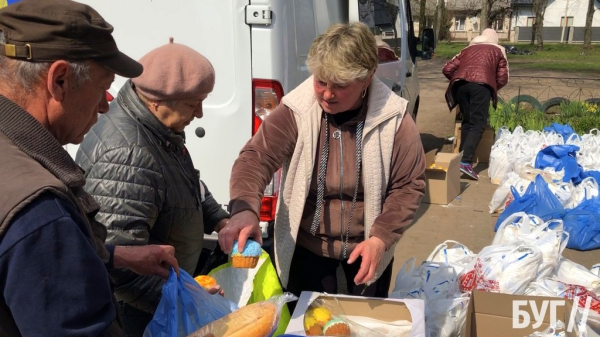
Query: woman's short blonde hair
x: 345, y: 52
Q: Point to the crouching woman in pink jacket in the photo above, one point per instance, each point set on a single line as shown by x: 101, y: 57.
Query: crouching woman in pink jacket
x: 476, y: 74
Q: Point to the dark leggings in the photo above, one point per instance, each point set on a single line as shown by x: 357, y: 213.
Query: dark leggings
x: 310, y: 272
x: 474, y: 101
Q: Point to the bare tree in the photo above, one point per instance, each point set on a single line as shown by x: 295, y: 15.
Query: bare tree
x: 380, y: 11
x: 587, y: 33
x: 422, y: 8
x: 539, y: 7
x: 483, y: 20
x: 488, y: 10
x: 439, y: 20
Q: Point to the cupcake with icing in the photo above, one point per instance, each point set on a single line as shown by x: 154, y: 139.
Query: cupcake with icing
x: 247, y: 258
x: 336, y: 327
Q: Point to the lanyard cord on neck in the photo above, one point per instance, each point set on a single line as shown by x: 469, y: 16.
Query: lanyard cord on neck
x: 321, y: 182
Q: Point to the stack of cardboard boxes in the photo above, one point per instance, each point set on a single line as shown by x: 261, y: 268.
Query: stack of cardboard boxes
x: 443, y: 169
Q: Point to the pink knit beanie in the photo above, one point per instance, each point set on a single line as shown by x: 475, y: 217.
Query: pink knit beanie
x: 491, y: 35
x: 175, y: 72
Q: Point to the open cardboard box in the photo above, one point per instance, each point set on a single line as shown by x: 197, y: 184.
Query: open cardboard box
x: 442, y: 177
x: 482, y: 153
x: 491, y: 314
x: 387, y: 310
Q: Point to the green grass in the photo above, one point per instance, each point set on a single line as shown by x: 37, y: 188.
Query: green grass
x: 554, y: 57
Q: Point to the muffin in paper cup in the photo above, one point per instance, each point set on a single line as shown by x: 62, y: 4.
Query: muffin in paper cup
x: 248, y: 258
x: 326, y: 317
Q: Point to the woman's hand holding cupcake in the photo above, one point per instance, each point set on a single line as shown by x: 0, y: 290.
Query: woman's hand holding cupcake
x: 240, y: 227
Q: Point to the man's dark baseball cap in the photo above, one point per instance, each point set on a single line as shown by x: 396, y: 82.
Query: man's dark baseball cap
x: 51, y: 30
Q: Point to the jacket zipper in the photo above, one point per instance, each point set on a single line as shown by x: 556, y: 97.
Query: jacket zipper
x: 338, y: 135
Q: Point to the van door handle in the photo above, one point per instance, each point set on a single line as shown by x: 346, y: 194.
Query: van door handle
x: 396, y: 87
x: 408, y: 74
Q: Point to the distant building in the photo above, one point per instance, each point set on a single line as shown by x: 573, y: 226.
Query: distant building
x: 517, y: 21
x: 558, y: 13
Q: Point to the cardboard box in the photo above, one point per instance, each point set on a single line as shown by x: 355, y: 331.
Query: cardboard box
x: 443, y: 180
x: 387, y: 310
x: 482, y: 153
x: 491, y: 314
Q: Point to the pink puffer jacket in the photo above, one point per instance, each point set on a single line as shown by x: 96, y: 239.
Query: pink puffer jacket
x: 478, y: 63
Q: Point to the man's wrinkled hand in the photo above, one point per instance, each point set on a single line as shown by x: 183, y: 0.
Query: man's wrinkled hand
x: 371, y: 251
x: 151, y: 260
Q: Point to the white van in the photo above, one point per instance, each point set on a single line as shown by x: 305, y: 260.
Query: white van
x: 258, y: 49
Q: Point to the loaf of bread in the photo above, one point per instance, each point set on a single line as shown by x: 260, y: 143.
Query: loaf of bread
x: 254, y: 320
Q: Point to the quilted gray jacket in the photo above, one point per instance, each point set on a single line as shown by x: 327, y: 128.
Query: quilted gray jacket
x: 142, y: 175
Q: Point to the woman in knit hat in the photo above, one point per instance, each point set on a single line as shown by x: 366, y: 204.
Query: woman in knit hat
x: 141, y: 174
x: 476, y: 75
x: 353, y: 171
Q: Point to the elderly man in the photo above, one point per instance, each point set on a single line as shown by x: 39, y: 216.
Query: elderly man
x: 140, y: 171
x: 57, y: 58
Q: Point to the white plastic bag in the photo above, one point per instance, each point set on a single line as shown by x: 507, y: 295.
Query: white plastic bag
x: 551, y: 244
x: 505, y: 268
x: 447, y: 317
x: 587, y: 189
x: 562, y: 191
x: 457, y: 256
x: 570, y: 272
x: 503, y: 195
x: 439, y: 280
x: 588, y: 155
x: 588, y: 327
x: 431, y: 280
x: 553, y: 138
x: 515, y: 226
x: 500, y: 164
x: 408, y: 282
x: 544, y: 287
x: 596, y: 269
x: 548, y: 237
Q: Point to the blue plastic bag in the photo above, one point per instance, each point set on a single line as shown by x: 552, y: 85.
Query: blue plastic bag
x: 583, y: 225
x: 565, y: 130
x: 186, y: 307
x: 537, y: 200
x: 560, y: 157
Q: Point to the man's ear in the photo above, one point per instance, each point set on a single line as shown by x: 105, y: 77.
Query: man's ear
x: 58, y: 80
